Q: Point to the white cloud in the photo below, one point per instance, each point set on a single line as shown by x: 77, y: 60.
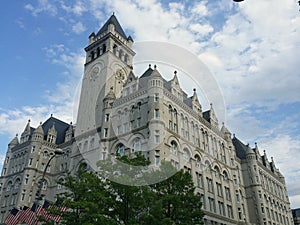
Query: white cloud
x: 78, y: 28
x: 42, y: 6
x: 20, y: 23
x: 200, y: 9
x: 201, y: 30
x: 78, y: 8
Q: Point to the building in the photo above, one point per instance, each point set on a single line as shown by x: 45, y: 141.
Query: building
x: 122, y: 113
x: 296, y: 216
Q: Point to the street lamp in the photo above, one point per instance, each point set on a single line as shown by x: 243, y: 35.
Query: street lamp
x: 39, y: 196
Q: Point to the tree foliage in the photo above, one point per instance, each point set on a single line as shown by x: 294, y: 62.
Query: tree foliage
x: 94, y: 200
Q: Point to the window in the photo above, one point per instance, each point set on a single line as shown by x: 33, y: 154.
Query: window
x: 156, y: 136
x: 49, y: 168
x: 225, y: 176
x: 156, y: 97
x: 174, y: 147
x: 119, y: 131
x: 156, y: 113
x: 199, y: 180
x: 106, y: 117
x: 44, y: 185
x: 120, y: 150
x: 105, y: 134
x: 227, y: 194
x: 60, y: 184
x: 237, y: 195
x: 212, y: 206
x: 229, y: 211
x: 157, y: 160
x: 43, y: 166
x: 197, y: 161
x: 26, y: 179
x: 92, y: 143
x: 210, y: 187
x: 126, y: 127
x: 131, y: 124
x: 45, y: 154
x: 30, y: 162
x: 136, y: 145
x: 9, y: 186
x: 23, y: 195
x: 138, y: 122
x: 186, y: 155
x: 32, y: 149
x: 221, y: 208
x: 219, y: 189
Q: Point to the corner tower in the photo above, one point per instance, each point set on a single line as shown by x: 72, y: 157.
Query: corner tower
x: 109, y: 57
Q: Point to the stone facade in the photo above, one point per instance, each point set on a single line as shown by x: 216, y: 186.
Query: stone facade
x: 122, y: 113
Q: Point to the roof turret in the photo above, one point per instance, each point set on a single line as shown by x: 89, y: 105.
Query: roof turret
x: 39, y: 129
x: 117, y: 27
x: 14, y: 141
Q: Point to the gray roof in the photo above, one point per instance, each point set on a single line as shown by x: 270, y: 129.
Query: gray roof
x: 113, y: 20
x: 60, y: 126
x: 147, y: 73
x: 240, y: 148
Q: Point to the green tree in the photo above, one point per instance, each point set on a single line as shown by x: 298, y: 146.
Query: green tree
x: 175, y: 201
x: 94, y: 200
x: 87, y: 199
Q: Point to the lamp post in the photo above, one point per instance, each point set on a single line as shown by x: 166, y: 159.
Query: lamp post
x: 39, y: 196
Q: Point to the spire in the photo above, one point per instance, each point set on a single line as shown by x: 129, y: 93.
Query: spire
x: 26, y: 133
x: 52, y: 130
x: 39, y: 130
x: 27, y: 128
x: 224, y: 129
x: 14, y: 141
x: 249, y: 150
x: 117, y: 27
x: 175, y: 78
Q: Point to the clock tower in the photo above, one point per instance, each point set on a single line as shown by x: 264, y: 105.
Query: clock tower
x: 109, y: 57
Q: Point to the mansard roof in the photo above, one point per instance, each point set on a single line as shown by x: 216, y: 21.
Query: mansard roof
x: 112, y: 20
x: 60, y: 126
x: 147, y: 73
x: 240, y: 148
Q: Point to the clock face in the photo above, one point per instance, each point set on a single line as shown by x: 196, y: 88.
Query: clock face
x: 94, y: 74
x: 120, y: 75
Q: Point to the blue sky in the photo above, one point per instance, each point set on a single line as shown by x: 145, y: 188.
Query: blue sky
x: 252, y: 48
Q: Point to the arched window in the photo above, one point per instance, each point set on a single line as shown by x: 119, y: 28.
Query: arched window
x: 9, y: 186
x: 225, y: 175
x: 115, y: 48
x: 186, y: 155
x: 136, y: 145
x: 217, y: 171
x: 121, y: 54
x: 98, y: 52
x: 174, y: 147
x: 197, y: 161
x: 45, y: 154
x: 103, y: 48
x: 44, y: 184
x: 120, y: 150
x: 126, y: 58
x: 92, y: 143
x: 207, y: 165
x: 60, y: 183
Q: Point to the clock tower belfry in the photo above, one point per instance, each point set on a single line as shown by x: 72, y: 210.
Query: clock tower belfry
x: 109, y: 57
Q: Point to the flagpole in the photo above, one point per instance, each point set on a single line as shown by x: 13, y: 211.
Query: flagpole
x: 39, y: 197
